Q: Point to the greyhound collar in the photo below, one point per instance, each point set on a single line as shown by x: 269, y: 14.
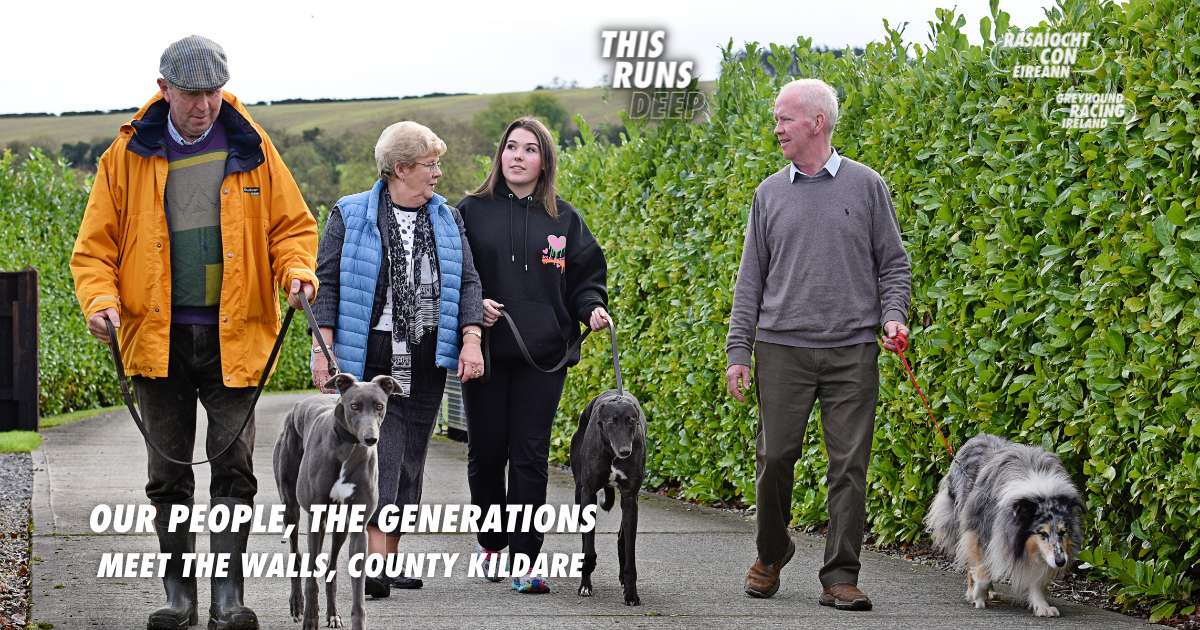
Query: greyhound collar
x: 344, y: 435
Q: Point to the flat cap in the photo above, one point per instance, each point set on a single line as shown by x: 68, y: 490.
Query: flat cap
x: 195, y: 64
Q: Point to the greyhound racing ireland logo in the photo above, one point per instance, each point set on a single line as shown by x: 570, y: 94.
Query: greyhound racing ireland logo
x: 1089, y: 110
x: 556, y: 253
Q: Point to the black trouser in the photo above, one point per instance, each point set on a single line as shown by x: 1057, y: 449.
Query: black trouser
x: 508, y: 422
x: 846, y: 382
x: 404, y: 434
x: 168, y: 408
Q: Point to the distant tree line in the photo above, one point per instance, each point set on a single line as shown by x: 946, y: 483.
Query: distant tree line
x: 559, y: 83
x: 299, y: 101
x: 84, y: 155
x: 81, y: 155
x: 89, y: 112
x: 285, y: 101
x: 329, y: 165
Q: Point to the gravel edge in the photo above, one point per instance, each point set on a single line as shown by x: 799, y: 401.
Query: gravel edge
x: 16, y: 494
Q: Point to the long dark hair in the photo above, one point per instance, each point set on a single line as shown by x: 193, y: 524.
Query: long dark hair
x: 544, y: 191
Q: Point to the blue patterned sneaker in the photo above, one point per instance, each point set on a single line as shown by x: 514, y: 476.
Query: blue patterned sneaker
x: 488, y: 554
x: 531, y: 585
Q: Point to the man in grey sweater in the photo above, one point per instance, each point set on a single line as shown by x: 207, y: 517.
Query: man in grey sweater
x: 822, y: 268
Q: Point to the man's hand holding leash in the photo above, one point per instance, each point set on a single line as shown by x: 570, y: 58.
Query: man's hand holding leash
x: 294, y: 294
x: 96, y: 325
x: 891, y: 330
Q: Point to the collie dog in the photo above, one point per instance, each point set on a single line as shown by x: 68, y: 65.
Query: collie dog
x: 1007, y: 511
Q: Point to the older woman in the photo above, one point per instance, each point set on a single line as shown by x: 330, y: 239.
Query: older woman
x: 400, y: 296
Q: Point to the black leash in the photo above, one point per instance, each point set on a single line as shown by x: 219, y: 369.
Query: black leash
x: 127, y: 393
x: 572, y: 349
x: 612, y: 340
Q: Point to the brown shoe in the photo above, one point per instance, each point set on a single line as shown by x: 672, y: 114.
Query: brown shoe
x: 845, y: 597
x: 763, y: 579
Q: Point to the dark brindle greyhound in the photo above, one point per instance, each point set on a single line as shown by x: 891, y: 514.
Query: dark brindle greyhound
x: 609, y: 450
x: 326, y: 454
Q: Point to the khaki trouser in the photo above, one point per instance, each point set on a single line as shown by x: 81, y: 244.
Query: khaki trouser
x: 846, y: 382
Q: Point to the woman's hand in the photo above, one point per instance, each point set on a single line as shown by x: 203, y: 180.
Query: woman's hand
x: 470, y: 358
x: 491, y: 311
x: 320, y: 371
x: 599, y: 318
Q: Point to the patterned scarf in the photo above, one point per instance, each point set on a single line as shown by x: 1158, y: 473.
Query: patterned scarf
x: 415, y: 288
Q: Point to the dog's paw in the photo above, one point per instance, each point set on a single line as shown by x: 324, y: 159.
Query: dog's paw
x: 979, y: 603
x: 585, y: 590
x: 1045, y: 611
x: 632, y: 599
x: 310, y: 623
x: 335, y: 621
x: 296, y: 607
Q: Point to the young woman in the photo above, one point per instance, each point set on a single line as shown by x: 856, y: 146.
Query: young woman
x: 539, y: 263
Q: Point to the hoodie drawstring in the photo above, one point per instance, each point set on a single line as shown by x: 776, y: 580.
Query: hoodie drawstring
x: 512, y: 256
x: 525, y: 241
x: 512, y: 253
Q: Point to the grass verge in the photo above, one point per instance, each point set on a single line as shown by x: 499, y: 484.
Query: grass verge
x: 74, y: 416
x: 19, y: 441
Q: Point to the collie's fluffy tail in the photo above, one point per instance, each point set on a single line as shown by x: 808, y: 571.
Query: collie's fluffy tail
x: 942, y: 519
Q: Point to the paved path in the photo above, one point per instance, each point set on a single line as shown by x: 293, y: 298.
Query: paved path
x: 691, y: 560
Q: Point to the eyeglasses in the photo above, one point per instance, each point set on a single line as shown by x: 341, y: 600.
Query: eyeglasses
x: 432, y: 166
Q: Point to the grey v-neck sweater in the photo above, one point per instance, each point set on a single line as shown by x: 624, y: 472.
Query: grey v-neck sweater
x: 823, y: 265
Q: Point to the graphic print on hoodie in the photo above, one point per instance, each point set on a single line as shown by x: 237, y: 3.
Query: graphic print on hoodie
x: 556, y: 253
x: 548, y: 273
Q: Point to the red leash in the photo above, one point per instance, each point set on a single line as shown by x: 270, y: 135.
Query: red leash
x: 898, y: 345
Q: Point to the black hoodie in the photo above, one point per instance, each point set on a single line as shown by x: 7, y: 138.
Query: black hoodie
x: 548, y: 273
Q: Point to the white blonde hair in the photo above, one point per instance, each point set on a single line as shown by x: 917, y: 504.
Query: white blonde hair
x: 815, y: 95
x: 402, y: 144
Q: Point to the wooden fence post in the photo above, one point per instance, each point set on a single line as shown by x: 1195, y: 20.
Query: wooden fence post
x: 19, y: 350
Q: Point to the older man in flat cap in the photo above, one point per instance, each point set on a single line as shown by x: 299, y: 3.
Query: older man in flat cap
x: 193, y: 226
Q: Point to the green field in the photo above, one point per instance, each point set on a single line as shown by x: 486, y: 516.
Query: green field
x: 596, y: 105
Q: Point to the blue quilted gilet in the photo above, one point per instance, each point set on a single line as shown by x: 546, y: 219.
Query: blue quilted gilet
x: 362, y: 254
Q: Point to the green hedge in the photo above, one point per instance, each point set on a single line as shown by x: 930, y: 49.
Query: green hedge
x: 41, y: 206
x: 1054, y: 297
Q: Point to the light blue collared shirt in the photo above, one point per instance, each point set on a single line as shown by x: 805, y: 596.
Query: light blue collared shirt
x: 178, y: 138
x: 832, y: 165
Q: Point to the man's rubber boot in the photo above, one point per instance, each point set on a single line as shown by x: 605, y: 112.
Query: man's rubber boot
x: 180, y: 611
x: 227, y: 611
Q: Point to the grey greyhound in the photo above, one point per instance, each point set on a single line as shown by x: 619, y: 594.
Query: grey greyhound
x: 609, y: 450
x: 326, y: 454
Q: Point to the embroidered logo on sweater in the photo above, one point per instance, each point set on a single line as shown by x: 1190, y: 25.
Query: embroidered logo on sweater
x: 556, y: 253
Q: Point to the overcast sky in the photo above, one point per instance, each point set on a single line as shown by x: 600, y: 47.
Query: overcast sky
x: 73, y: 55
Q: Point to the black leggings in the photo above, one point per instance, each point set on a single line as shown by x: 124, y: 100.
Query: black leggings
x: 508, y: 422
